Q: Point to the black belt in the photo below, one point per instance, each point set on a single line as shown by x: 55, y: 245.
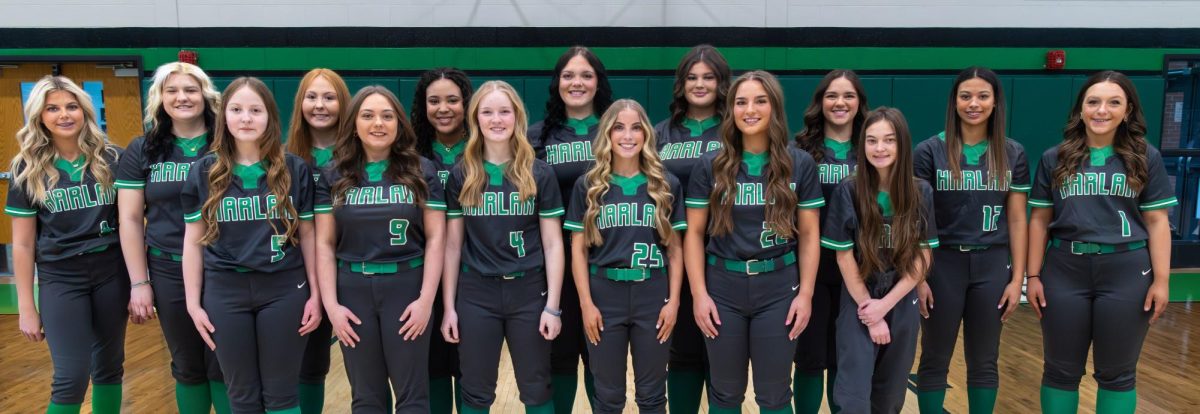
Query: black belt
x: 506, y: 276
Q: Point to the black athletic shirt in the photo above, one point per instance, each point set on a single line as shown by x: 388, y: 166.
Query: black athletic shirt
x: 161, y: 182
x: 567, y: 149
x: 445, y: 158
x: 970, y: 210
x: 751, y: 237
x: 247, y: 242
x: 78, y: 216
x: 680, y: 146
x: 841, y: 227
x: 502, y: 234
x: 1097, y: 205
x: 378, y: 221
x: 627, y: 222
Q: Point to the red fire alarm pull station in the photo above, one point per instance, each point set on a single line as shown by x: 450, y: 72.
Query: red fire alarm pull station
x: 188, y: 56
x: 1056, y: 59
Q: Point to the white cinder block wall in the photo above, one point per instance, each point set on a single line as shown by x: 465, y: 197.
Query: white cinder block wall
x: 573, y: 13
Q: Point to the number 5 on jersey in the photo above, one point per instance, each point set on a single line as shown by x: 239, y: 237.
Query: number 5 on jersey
x: 277, y: 252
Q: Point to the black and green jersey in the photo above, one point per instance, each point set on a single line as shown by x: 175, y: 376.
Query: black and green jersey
x: 445, y: 158
x: 752, y: 237
x: 78, y: 216
x: 379, y: 221
x: 1096, y: 204
x: 627, y: 222
x: 840, y: 230
x: 322, y: 159
x: 161, y: 182
x: 681, y: 145
x: 970, y: 209
x: 502, y: 234
x: 247, y: 241
x: 567, y: 149
x: 837, y: 163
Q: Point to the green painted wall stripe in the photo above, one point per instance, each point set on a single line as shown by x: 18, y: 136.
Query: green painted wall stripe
x: 636, y: 58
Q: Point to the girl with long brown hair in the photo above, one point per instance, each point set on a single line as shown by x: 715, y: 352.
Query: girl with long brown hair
x: 981, y: 183
x: 1100, y: 202
x: 628, y: 259
x: 504, y: 254
x: 61, y: 200
x: 378, y: 285
x: 881, y: 225
x: 832, y: 121
x: 751, y: 247
x: 248, y: 262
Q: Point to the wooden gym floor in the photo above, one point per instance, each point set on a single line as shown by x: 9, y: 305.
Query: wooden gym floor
x: 1168, y: 375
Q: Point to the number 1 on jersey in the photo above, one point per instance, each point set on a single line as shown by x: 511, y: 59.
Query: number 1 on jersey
x: 1125, y: 231
x: 516, y: 240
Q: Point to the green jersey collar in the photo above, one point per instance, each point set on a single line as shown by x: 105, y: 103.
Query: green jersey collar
x: 249, y: 174
x: 840, y: 149
x: 73, y: 168
x: 973, y: 152
x: 191, y: 146
x: 580, y: 126
x: 1100, y: 155
x: 885, y: 203
x: 451, y: 153
x: 629, y: 185
x: 322, y: 156
x: 495, y: 172
x: 696, y: 127
x: 375, y: 170
x: 754, y: 162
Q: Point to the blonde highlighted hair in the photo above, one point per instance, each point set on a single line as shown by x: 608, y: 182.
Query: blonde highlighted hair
x: 519, y: 170
x: 34, y: 162
x: 160, y: 138
x: 599, y: 176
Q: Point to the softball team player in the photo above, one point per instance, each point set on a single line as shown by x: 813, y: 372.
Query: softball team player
x: 316, y: 119
x: 579, y: 90
x: 742, y: 251
x: 181, y: 110
x: 503, y: 235
x: 625, y: 215
x: 1100, y: 202
x: 981, y: 182
x: 697, y: 106
x: 248, y: 246
x: 378, y: 286
x: 833, y: 119
x: 440, y: 124
x: 881, y: 224
x: 63, y: 217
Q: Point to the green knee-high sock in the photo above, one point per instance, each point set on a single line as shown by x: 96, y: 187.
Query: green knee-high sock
x: 312, y: 398
x: 106, y: 398
x: 684, y: 388
x: 981, y: 400
x: 807, y: 391
x: 787, y: 409
x: 589, y: 387
x: 220, y: 397
x: 713, y: 409
x: 441, y: 396
x: 468, y: 409
x: 55, y: 408
x: 293, y: 410
x: 931, y: 402
x: 832, y: 376
x: 1056, y: 401
x: 1116, y: 402
x: 564, y: 393
x: 192, y: 398
x: 546, y: 408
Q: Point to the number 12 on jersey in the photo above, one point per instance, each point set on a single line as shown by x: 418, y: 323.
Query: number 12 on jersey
x: 991, y: 214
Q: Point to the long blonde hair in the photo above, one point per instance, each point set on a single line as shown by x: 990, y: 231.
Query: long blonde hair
x: 519, y: 171
x: 34, y: 162
x: 649, y: 164
x: 279, y: 179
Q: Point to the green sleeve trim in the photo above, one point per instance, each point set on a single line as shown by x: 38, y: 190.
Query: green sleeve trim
x: 1040, y: 203
x: 306, y: 216
x: 129, y: 185
x: 695, y: 202
x: 814, y: 203
x: 453, y: 214
x: 679, y: 225
x: 572, y: 225
x: 436, y: 205
x: 931, y: 243
x: 836, y: 245
x: 322, y: 209
x: 1020, y: 188
x: 552, y: 213
x: 1155, y: 205
x: 19, y: 212
x: 191, y: 218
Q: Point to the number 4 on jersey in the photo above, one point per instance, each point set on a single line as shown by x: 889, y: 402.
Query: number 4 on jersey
x: 516, y: 240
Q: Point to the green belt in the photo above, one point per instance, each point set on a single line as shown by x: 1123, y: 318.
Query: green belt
x: 97, y: 249
x: 382, y: 268
x: 1075, y: 247
x: 754, y: 267
x: 623, y: 274
x: 967, y: 247
x: 506, y: 276
x: 159, y: 253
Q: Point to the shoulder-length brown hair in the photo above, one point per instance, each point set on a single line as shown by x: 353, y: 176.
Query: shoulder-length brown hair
x: 350, y: 158
x: 300, y: 141
x: 1129, y: 142
x: 711, y: 57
